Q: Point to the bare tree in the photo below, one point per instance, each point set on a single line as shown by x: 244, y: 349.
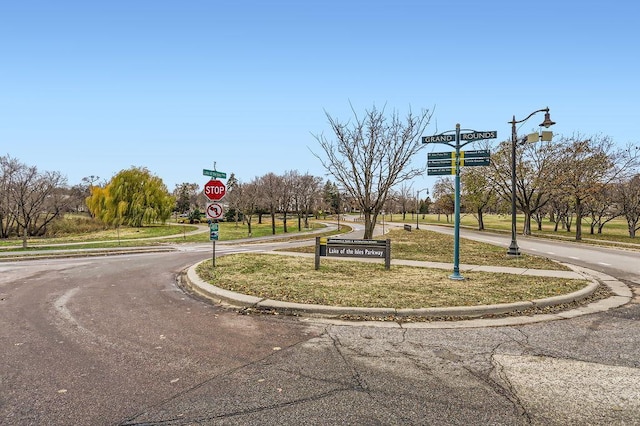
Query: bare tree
x: 307, y: 194
x: 247, y: 200
x: 628, y: 198
x: 9, y: 167
x: 287, y: 190
x: 371, y: 155
x: 534, y: 168
x: 270, y: 185
x: 477, y: 192
x: 405, y: 199
x: 34, y: 199
x: 602, y: 208
x: 588, y: 163
x: 444, y: 197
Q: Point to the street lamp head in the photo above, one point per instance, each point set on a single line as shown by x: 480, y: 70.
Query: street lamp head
x: 547, y: 120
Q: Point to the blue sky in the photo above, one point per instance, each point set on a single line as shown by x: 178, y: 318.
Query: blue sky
x: 93, y: 87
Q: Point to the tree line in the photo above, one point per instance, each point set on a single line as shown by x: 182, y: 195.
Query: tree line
x: 570, y: 181
x: 30, y: 199
x: 371, y: 155
x: 289, y: 196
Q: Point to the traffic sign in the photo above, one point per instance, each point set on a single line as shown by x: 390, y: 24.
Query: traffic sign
x: 213, y: 236
x: 214, y: 174
x: 214, y: 211
x: 214, y: 190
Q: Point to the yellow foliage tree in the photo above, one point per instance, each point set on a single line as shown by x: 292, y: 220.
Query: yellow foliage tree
x: 133, y: 197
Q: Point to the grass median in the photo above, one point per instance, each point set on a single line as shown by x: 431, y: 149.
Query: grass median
x: 353, y: 283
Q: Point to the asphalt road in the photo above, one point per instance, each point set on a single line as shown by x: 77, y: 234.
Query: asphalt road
x: 620, y: 263
x: 114, y: 341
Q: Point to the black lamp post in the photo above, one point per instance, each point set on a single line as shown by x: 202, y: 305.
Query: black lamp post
x: 418, y: 205
x: 514, y: 250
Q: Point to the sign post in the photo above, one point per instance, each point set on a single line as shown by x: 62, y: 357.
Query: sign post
x: 449, y: 164
x: 214, y: 190
x: 213, y: 236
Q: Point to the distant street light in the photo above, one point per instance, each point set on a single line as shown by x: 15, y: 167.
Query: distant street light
x: 514, y: 250
x: 418, y: 204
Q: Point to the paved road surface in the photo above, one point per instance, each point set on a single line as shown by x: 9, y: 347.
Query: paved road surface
x: 621, y: 263
x: 114, y: 341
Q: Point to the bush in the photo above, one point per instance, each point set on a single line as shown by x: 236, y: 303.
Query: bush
x: 72, y: 226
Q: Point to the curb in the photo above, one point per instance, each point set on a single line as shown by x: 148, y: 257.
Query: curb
x: 469, y: 315
x: 71, y: 253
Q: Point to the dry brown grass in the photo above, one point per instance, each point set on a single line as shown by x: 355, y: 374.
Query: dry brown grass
x: 353, y: 283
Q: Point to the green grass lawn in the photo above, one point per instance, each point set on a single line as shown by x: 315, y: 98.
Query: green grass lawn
x: 122, y: 233
x: 352, y: 283
x: 428, y: 246
x: 614, y: 231
x: 154, y: 235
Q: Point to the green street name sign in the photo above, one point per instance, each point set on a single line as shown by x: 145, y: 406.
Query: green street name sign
x: 484, y: 161
x: 214, y: 174
x: 480, y: 153
x: 478, y: 136
x: 438, y: 139
x: 442, y: 162
x: 440, y: 171
x: 465, y: 137
x: 441, y: 155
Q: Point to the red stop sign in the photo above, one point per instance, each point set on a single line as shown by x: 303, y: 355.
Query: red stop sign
x: 214, y: 190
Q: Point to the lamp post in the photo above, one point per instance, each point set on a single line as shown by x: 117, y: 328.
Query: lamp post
x: 514, y: 250
x: 418, y: 205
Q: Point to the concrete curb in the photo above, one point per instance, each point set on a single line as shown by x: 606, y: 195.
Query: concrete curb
x: 71, y: 253
x: 470, y: 314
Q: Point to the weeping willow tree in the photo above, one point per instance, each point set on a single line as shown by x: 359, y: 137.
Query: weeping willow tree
x: 133, y: 197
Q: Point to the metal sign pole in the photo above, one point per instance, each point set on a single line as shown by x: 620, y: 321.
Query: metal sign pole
x: 456, y: 227
x: 440, y: 164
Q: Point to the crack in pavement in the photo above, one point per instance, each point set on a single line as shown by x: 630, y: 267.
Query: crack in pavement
x: 505, y: 388
x: 191, y: 420
x: 358, y: 384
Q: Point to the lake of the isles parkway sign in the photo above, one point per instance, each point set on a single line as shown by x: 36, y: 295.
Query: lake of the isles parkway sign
x: 338, y: 247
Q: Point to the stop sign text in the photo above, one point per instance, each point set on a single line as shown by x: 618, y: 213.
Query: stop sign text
x: 215, y: 190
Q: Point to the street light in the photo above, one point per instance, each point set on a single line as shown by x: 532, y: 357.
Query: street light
x: 418, y: 204
x: 514, y: 250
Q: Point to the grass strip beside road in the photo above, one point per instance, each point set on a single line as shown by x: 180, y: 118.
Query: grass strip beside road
x: 352, y: 283
x: 428, y: 246
x: 160, y: 235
